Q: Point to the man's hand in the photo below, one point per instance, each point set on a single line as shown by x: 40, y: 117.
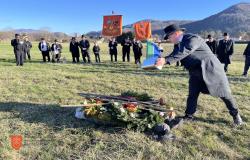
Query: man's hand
x: 160, y: 62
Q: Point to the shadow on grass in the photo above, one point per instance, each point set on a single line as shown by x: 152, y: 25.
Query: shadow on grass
x: 53, y: 116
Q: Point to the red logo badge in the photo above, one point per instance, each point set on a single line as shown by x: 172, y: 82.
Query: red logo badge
x: 16, y: 141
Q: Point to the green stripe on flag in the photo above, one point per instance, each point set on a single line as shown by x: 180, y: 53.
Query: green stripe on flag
x: 150, y: 50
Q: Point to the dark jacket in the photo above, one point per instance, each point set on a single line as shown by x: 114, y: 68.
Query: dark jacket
x: 40, y: 47
x: 247, y: 50
x: 14, y: 43
x: 74, y: 49
x: 58, y: 46
x: 197, y: 57
x: 137, y: 48
x: 212, y: 45
x: 112, y: 47
x: 84, y: 44
x: 225, y: 50
x: 126, y: 44
x: 21, y: 48
x: 96, y: 49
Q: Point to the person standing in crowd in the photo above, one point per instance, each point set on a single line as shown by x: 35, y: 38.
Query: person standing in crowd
x: 113, y: 49
x: 73, y: 48
x: 21, y: 49
x: 44, y: 47
x: 84, y: 45
x: 126, y: 44
x: 28, y: 46
x: 137, y: 49
x: 212, y: 44
x: 225, y: 50
x: 247, y: 60
x: 96, y: 50
x: 14, y: 43
x: 206, y: 74
x: 56, y: 50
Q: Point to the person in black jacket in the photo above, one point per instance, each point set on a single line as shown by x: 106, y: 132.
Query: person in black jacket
x: 113, y: 49
x: 21, y: 49
x: 28, y: 46
x: 137, y: 49
x: 126, y: 44
x: 14, y: 43
x: 206, y: 74
x: 96, y: 50
x: 74, y: 49
x: 84, y: 45
x: 56, y: 51
x: 44, y: 47
x: 225, y: 50
x: 247, y: 60
x: 212, y: 44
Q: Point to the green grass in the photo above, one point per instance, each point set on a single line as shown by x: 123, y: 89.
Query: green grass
x: 31, y: 97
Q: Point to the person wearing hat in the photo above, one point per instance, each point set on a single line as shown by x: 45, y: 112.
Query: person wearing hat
x: 28, y: 46
x: 206, y: 74
x: 247, y: 60
x: 21, y: 49
x: 14, y: 43
x: 73, y: 48
x: 84, y: 45
x: 225, y: 50
x: 212, y: 44
x: 44, y: 47
x: 113, y: 49
x: 126, y: 44
x: 56, y: 49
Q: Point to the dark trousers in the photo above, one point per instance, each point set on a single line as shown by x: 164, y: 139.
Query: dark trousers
x: 225, y: 67
x: 125, y: 52
x: 15, y: 56
x: 197, y: 86
x: 111, y: 56
x: 46, y: 54
x: 97, y: 58
x: 84, y: 55
x: 75, y: 59
x: 19, y: 60
x: 137, y: 58
x: 28, y: 54
x: 247, y: 65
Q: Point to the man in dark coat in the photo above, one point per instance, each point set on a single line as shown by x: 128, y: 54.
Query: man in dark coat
x: 96, y: 51
x: 225, y: 50
x: 137, y: 49
x: 247, y: 59
x: 14, y: 43
x: 113, y: 49
x: 205, y: 71
x: 28, y: 46
x: 56, y: 51
x: 126, y: 44
x: 212, y: 44
x: 21, y: 49
x: 44, y: 47
x: 73, y: 48
x: 84, y: 45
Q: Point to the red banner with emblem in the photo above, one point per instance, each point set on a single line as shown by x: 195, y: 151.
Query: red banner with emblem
x: 112, y: 25
x: 142, y: 30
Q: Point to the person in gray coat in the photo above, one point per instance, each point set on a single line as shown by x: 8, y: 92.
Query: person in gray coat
x: 205, y: 70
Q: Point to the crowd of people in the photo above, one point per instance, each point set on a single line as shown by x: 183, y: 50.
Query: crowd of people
x: 223, y: 49
x: 22, y: 47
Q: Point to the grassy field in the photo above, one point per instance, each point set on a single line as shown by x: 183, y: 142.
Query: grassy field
x: 31, y: 97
